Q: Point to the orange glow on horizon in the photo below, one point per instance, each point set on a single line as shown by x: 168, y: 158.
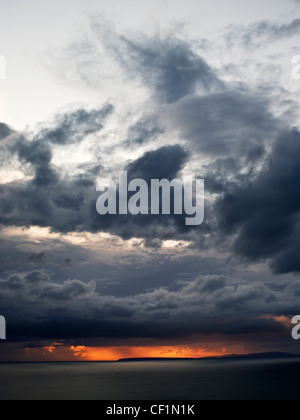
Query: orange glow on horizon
x: 60, y: 352
x: 82, y: 353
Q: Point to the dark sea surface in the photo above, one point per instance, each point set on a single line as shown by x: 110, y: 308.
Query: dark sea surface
x: 274, y: 379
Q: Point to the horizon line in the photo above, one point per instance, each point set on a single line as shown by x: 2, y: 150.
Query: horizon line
x: 265, y: 355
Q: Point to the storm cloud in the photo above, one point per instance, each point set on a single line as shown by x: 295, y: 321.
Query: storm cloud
x: 234, y: 129
x: 165, y: 162
x: 46, y: 309
x: 231, y: 123
x: 168, y: 65
x: 5, y: 131
x: 265, y: 211
x: 68, y: 273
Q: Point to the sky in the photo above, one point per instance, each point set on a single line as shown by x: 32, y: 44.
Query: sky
x: 161, y: 89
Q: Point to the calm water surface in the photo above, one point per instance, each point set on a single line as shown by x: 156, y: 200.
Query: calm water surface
x: 181, y: 380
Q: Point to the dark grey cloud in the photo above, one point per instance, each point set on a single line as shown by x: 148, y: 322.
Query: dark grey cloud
x: 68, y: 204
x: 230, y: 123
x: 239, y: 124
x: 40, y: 258
x: 145, y: 130
x: 264, y: 211
x: 140, y: 269
x: 53, y: 290
x: 67, y: 262
x: 169, y: 66
x: 232, y: 131
x: 5, y: 131
x: 68, y: 128
x: 70, y: 290
x: 75, y: 126
x: 50, y: 195
x: 165, y: 162
x: 256, y: 34
x: 211, y: 304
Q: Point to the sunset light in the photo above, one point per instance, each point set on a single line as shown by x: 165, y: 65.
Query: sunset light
x: 149, y: 202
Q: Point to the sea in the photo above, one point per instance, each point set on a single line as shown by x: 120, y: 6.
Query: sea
x: 192, y: 380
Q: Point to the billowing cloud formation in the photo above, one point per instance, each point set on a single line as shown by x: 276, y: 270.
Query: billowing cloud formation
x: 228, y: 123
x: 167, y: 65
x: 74, y: 127
x: 146, y: 129
x: 5, y: 131
x: 35, y: 306
x: 35, y: 201
x: 226, y: 127
x: 265, y: 211
x: 69, y: 128
x: 68, y: 204
x: 169, y: 281
x: 165, y: 162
